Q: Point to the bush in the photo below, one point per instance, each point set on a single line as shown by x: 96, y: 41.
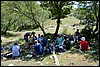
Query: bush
x: 87, y: 32
x: 50, y: 36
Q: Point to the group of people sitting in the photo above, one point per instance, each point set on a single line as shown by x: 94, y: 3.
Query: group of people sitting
x: 41, y: 45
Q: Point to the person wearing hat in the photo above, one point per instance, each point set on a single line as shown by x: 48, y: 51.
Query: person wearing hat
x: 84, y: 44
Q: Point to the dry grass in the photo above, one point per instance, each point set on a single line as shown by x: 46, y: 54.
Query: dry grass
x: 65, y: 59
x: 69, y: 59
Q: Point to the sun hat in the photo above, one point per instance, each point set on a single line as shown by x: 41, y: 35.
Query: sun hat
x: 83, y: 38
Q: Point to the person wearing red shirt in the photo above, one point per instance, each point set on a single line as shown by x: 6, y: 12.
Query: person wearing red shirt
x: 84, y: 44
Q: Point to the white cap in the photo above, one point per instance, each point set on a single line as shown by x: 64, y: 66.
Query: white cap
x: 36, y: 41
x: 48, y: 39
x: 83, y: 38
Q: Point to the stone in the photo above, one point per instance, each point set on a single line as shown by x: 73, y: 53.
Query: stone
x: 11, y: 65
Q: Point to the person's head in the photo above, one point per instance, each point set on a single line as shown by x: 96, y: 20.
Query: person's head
x: 67, y: 39
x: 30, y: 33
x: 42, y: 36
x: 48, y: 39
x: 33, y: 33
x: 83, y: 38
x: 36, y: 41
x: 38, y: 35
x: 77, y: 29
x: 60, y: 36
x: 15, y: 43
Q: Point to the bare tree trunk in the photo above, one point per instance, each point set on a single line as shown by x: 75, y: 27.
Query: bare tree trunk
x: 97, y: 17
x: 58, y: 25
x: 40, y: 26
x: 97, y: 26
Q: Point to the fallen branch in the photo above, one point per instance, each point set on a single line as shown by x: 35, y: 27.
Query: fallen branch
x: 56, y: 59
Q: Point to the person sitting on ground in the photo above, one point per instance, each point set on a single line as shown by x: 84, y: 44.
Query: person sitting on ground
x: 37, y: 49
x: 84, y: 46
x: 15, y: 51
x: 76, y: 36
x: 66, y: 44
x: 48, y: 48
x: 2, y: 50
x: 59, y: 46
x: 77, y: 32
x: 39, y: 38
x: 43, y: 41
x: 26, y: 36
x: 59, y: 40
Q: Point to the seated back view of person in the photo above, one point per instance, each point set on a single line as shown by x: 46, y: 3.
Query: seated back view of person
x: 15, y: 51
x: 84, y: 44
x: 43, y: 41
x: 59, y: 45
x: 49, y: 48
x: 37, y: 49
x: 76, y: 36
x: 77, y: 32
x: 2, y: 50
x: 67, y: 44
x: 59, y: 40
x: 39, y: 38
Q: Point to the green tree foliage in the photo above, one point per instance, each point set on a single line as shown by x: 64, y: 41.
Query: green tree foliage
x: 22, y: 15
x: 59, y: 9
x: 89, y: 10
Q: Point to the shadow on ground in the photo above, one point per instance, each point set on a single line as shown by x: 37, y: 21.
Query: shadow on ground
x: 7, y: 35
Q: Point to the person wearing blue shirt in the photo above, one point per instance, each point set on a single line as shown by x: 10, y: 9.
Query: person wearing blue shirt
x: 59, y: 40
x: 43, y: 41
x: 2, y: 50
x: 39, y: 38
x: 37, y: 49
x: 15, y: 51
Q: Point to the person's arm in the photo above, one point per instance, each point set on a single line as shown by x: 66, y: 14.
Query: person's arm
x: 88, y: 46
x: 11, y: 48
x: 29, y: 36
x: 35, y: 38
x: 32, y: 50
x: 56, y: 39
x: 80, y: 47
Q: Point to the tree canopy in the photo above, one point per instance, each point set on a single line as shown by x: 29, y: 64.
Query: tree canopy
x: 22, y: 15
